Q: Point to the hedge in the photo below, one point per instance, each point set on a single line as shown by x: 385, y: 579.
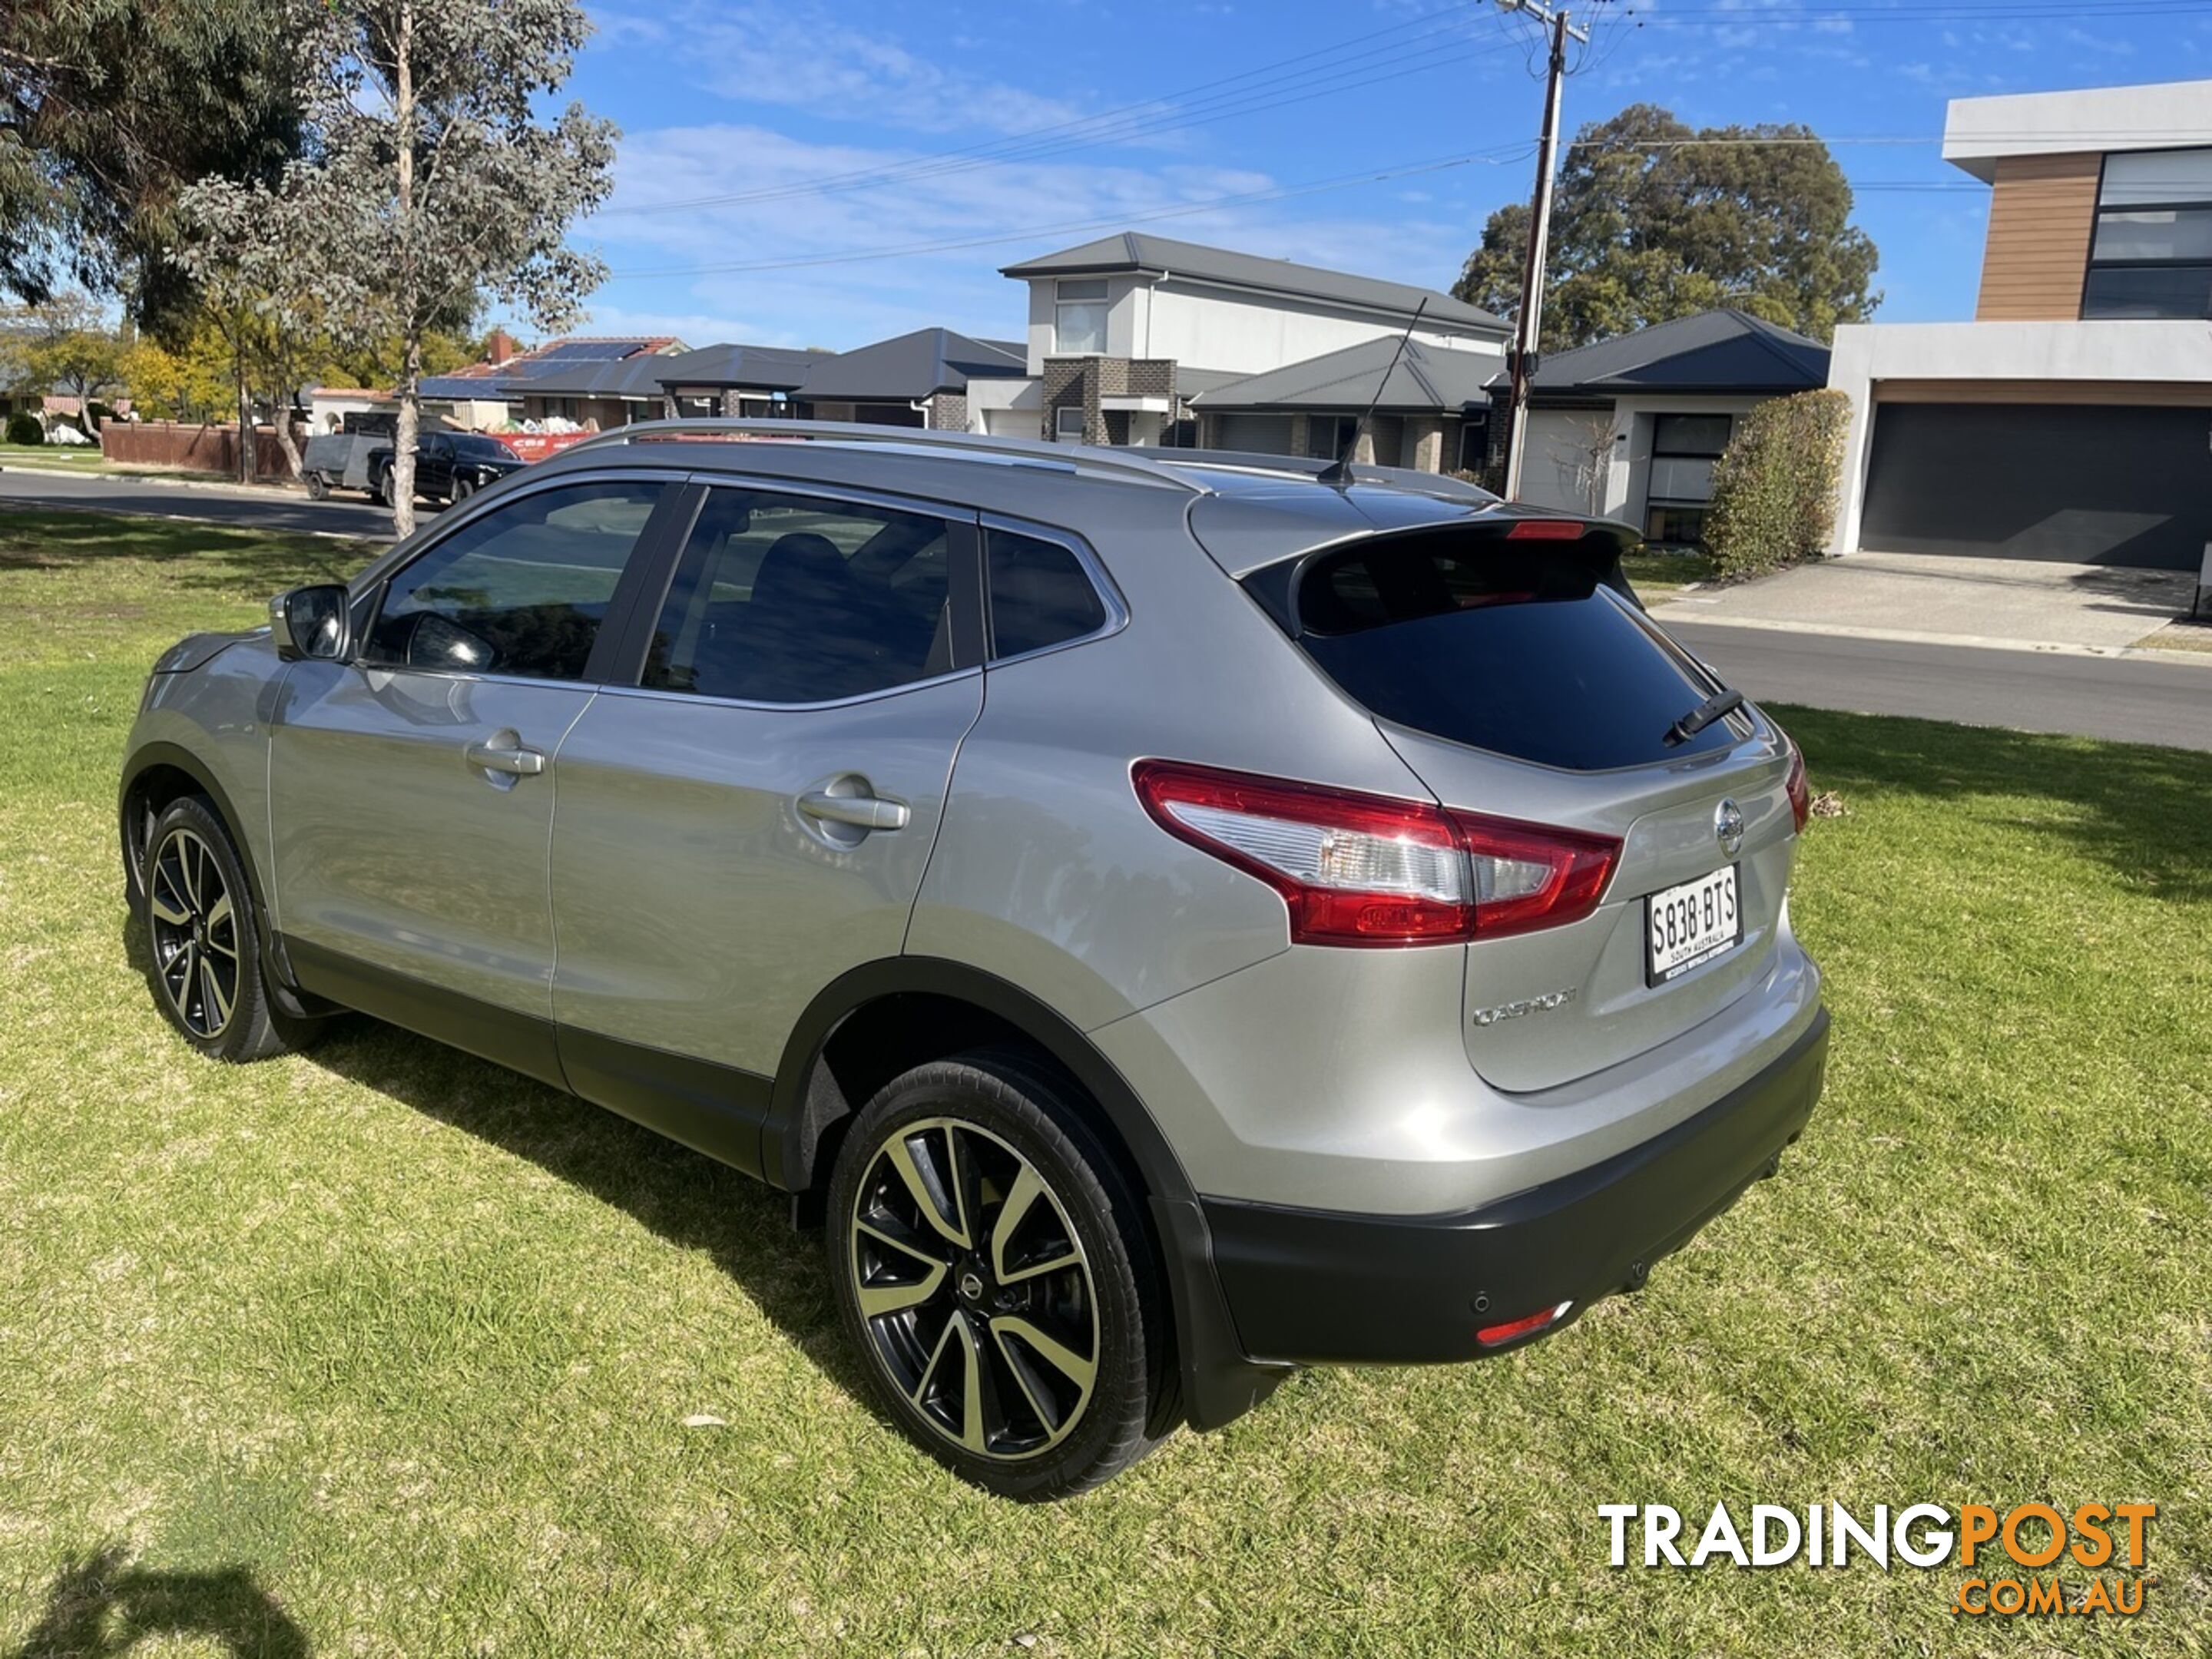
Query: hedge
x: 23, y: 428
x: 1774, y: 490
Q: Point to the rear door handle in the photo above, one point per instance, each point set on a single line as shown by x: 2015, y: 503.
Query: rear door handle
x: 507, y: 753
x: 861, y: 811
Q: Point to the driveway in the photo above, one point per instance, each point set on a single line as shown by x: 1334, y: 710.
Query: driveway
x: 1957, y: 601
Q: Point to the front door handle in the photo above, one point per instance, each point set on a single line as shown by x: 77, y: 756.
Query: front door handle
x: 505, y: 752
x: 861, y: 811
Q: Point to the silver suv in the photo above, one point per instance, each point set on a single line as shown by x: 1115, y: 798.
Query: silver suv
x: 1169, y: 917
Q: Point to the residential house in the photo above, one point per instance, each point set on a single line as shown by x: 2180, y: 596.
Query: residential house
x: 1433, y: 412
x: 932, y: 377
x: 1130, y: 336
x: 735, y: 380
x: 2072, y: 418
x: 1630, y: 428
x: 594, y: 382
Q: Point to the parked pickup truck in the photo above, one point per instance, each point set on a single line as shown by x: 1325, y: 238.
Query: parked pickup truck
x: 449, y: 466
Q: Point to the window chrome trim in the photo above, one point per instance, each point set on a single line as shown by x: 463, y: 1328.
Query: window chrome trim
x: 700, y: 699
x: 1101, y: 579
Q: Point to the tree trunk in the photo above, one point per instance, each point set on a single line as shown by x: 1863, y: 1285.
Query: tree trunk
x: 285, y: 441
x: 244, y: 429
x: 410, y: 368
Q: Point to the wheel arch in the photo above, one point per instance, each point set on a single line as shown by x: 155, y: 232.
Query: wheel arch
x: 904, y: 1010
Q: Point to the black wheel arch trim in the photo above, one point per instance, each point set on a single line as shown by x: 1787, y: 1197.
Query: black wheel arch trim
x: 283, y: 986
x: 1220, y: 1383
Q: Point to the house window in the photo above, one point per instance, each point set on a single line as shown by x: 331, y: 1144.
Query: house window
x: 2152, y: 257
x: 1683, y: 450
x: 1067, y: 423
x: 1328, y: 436
x: 1078, y: 318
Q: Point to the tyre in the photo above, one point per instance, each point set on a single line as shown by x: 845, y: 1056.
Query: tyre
x: 990, y: 1263
x: 203, y: 947
x: 463, y: 488
x: 318, y: 487
x: 387, y: 487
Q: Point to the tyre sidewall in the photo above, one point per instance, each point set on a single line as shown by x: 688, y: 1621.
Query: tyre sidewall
x: 1022, y: 1110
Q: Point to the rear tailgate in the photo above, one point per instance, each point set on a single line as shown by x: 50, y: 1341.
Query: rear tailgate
x: 1518, y: 682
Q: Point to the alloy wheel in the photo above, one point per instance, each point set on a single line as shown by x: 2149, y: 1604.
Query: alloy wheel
x: 975, y: 1289
x: 194, y: 925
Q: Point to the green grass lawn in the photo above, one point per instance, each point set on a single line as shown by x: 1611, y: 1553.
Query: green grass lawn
x: 384, y: 1351
x: 1658, y: 574
x: 87, y: 458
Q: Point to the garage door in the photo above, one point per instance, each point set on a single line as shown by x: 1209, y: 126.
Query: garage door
x: 1258, y: 435
x: 2086, y: 484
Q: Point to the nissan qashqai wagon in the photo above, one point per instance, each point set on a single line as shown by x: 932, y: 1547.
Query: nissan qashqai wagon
x: 1169, y: 917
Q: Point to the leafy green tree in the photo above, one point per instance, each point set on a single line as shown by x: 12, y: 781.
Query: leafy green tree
x: 430, y: 182
x: 108, y: 108
x: 1653, y: 219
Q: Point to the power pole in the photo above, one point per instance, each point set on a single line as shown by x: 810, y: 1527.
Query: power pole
x: 1529, y: 329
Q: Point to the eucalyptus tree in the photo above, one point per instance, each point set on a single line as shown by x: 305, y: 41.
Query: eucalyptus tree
x: 430, y: 182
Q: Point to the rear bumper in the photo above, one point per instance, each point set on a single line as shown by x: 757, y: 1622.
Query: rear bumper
x: 1322, y: 1286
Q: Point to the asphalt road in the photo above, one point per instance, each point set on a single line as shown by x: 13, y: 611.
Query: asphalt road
x: 2129, y: 699
x: 271, y: 510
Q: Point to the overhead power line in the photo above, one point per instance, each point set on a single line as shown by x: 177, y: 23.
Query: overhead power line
x: 1344, y: 72
x: 1496, y: 155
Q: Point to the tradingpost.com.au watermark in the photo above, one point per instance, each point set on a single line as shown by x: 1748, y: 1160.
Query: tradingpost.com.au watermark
x: 2033, y: 1559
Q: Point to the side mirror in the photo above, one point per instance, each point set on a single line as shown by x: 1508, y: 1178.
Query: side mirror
x: 313, y: 623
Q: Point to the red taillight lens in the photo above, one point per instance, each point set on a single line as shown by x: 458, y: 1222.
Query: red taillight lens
x: 1529, y: 876
x: 1491, y: 1336
x: 1368, y: 870
x: 1800, y: 793
x: 1547, y: 530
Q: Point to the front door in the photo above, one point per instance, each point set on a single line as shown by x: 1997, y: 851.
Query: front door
x: 755, y: 817
x: 412, y: 789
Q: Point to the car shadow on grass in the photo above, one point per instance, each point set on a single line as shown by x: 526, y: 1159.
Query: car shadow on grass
x: 684, y: 1197
x: 99, y: 1605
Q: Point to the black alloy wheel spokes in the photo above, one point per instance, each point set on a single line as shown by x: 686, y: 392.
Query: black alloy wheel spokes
x: 975, y: 1289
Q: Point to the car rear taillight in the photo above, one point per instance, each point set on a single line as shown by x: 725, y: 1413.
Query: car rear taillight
x: 1547, y: 529
x: 1800, y: 793
x: 1368, y: 870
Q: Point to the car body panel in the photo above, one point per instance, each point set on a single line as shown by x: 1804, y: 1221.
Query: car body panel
x: 392, y: 850
x: 699, y: 909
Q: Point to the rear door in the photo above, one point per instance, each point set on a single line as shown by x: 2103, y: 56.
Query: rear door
x: 754, y: 816
x: 1517, y: 684
x: 411, y: 790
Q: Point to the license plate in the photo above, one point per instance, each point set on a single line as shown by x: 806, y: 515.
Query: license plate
x: 1693, y: 923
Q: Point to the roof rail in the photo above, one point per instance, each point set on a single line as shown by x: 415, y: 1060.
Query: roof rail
x: 1075, y: 457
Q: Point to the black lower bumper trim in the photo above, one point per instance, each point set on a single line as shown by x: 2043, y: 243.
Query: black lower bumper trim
x: 1320, y: 1287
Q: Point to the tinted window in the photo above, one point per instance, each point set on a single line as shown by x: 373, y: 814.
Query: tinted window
x: 472, y: 447
x: 1519, y: 648
x: 785, y: 598
x: 1040, y: 595
x: 521, y: 591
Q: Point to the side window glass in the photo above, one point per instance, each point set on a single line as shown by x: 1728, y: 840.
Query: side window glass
x: 788, y: 599
x: 521, y: 591
x: 1040, y: 595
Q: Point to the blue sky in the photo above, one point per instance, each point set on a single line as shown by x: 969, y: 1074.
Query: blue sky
x: 766, y: 145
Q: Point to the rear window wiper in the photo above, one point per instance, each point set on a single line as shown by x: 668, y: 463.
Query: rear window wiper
x: 1719, y: 706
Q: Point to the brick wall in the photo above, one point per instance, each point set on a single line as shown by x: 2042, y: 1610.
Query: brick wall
x: 948, y: 412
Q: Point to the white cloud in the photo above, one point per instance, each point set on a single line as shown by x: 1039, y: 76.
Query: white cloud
x: 843, y: 305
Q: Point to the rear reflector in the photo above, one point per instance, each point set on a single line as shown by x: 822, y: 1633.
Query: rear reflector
x: 1547, y: 529
x: 1368, y: 870
x: 1491, y: 1336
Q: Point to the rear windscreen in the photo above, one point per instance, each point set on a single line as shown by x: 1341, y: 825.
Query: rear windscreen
x: 1518, y: 647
